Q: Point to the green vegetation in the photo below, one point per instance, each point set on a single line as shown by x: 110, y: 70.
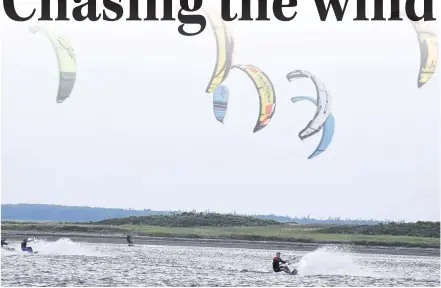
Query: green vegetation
x: 420, y: 229
x: 190, y: 219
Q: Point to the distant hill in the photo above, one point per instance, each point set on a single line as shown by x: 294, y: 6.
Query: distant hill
x: 190, y: 219
x: 58, y: 213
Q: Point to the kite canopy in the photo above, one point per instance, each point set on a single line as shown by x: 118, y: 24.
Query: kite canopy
x: 265, y: 90
x: 66, y: 62
x: 323, y: 103
x: 225, y: 47
x: 328, y: 128
x: 220, y: 102
x: 428, y: 50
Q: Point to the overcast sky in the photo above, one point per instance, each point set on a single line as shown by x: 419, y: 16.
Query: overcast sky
x: 139, y: 132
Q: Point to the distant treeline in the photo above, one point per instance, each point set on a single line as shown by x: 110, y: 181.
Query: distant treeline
x: 58, y: 213
x: 330, y: 220
x: 420, y: 228
x: 190, y: 219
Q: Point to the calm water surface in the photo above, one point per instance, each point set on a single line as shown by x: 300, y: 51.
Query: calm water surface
x: 67, y: 263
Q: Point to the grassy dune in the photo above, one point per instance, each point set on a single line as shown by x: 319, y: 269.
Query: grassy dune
x: 288, y: 233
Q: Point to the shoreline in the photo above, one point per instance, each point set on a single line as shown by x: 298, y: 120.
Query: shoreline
x: 218, y: 243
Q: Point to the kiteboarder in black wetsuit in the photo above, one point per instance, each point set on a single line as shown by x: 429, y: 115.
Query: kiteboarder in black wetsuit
x: 129, y: 239
x: 276, y: 264
x: 24, y: 246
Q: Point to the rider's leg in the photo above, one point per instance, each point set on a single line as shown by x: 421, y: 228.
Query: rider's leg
x: 285, y: 269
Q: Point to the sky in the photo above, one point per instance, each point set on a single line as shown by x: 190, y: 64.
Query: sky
x: 138, y: 131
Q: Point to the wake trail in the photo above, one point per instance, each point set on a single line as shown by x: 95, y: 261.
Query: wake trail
x: 340, y: 260
x: 333, y: 260
x: 63, y: 246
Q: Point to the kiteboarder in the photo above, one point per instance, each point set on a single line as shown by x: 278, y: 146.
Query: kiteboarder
x: 129, y: 239
x: 276, y: 264
x: 24, y: 246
